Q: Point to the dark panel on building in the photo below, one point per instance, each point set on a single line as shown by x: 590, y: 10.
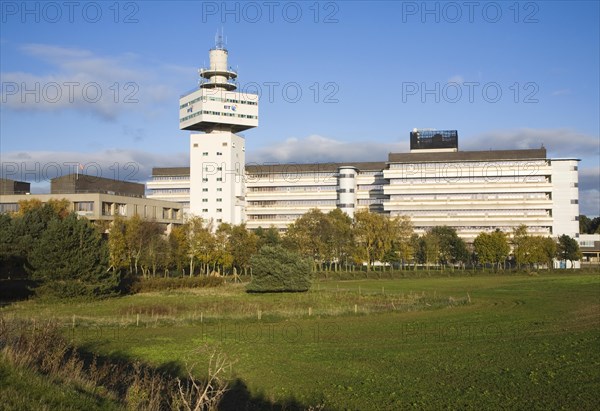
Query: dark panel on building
x: 433, y: 139
x: 73, y: 183
x: 8, y: 186
x: 170, y: 171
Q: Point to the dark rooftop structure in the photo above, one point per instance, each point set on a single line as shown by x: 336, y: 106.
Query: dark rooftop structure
x: 82, y: 183
x: 8, y: 186
x: 433, y: 139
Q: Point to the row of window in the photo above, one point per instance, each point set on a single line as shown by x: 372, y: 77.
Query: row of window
x: 170, y: 191
x: 302, y: 203
x: 216, y: 113
x: 291, y: 188
x: 219, y: 99
x: 469, y: 179
x: 479, y: 229
x: 285, y: 217
x: 476, y: 213
x: 524, y: 165
x: 471, y: 196
x: 169, y: 178
x: 219, y: 210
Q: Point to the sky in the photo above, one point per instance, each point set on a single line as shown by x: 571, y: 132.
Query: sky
x: 98, y: 83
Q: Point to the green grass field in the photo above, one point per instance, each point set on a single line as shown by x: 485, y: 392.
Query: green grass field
x: 482, y: 342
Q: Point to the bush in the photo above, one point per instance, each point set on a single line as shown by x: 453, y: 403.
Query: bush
x: 144, y: 285
x: 275, y: 269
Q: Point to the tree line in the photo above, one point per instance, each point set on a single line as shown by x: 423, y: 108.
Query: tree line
x: 69, y: 255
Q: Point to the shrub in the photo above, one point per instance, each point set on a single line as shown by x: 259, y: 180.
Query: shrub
x: 276, y: 269
x: 144, y: 285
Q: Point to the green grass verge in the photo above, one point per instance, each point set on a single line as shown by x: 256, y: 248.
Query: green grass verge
x: 523, y: 342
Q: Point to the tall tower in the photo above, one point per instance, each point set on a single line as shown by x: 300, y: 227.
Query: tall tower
x: 214, y: 113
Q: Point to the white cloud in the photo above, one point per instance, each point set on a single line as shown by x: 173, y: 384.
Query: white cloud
x: 558, y: 142
x: 132, y: 165
x: 319, y: 149
x: 457, y: 78
x: 81, y: 80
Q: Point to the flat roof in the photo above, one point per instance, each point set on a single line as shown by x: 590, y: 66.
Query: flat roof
x: 279, y: 168
x: 529, y: 154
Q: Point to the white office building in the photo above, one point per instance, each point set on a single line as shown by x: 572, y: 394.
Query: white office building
x: 433, y: 184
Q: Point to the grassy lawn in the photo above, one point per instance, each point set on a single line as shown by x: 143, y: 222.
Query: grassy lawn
x: 483, y: 342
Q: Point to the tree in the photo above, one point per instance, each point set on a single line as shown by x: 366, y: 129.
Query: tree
x: 270, y: 236
x: 452, y: 248
x: 568, y: 249
x: 584, y: 224
x: 155, y: 255
x: 71, y: 259
x: 310, y: 236
x: 492, y: 248
x: 276, y: 269
x: 548, y: 249
x: 242, y: 245
x: 341, y: 241
x: 179, y: 246
x: 370, y: 237
x: 128, y: 240
x: 117, y: 246
x: 221, y: 256
x: 403, y: 243
x: 594, y: 226
x: 201, y: 244
x: 429, y: 249
x: 521, y: 245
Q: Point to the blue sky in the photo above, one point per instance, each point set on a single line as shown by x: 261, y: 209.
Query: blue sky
x: 504, y: 74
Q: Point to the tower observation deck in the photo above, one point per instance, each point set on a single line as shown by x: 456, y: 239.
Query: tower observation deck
x: 215, y: 105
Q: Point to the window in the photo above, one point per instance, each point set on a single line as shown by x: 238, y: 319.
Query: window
x: 205, y: 200
x: 224, y: 144
x: 205, y: 180
x: 9, y: 208
x: 195, y: 145
x: 219, y: 220
x: 574, y: 201
x: 219, y: 200
x: 121, y: 209
x: 84, y: 206
x: 219, y: 153
x: 219, y: 179
x: 219, y: 168
x: 219, y: 189
x: 205, y: 189
x: 205, y: 153
x: 219, y: 210
x: 205, y: 210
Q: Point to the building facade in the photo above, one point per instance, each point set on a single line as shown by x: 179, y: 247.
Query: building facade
x: 472, y: 191
x: 434, y: 184
x: 101, y: 199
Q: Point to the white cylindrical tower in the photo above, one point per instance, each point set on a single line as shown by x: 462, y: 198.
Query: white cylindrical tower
x: 218, y: 74
x: 346, y: 190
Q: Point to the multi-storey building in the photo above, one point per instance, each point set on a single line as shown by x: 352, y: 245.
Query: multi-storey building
x: 473, y: 191
x: 101, y: 199
x: 217, y: 155
x: 434, y: 184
